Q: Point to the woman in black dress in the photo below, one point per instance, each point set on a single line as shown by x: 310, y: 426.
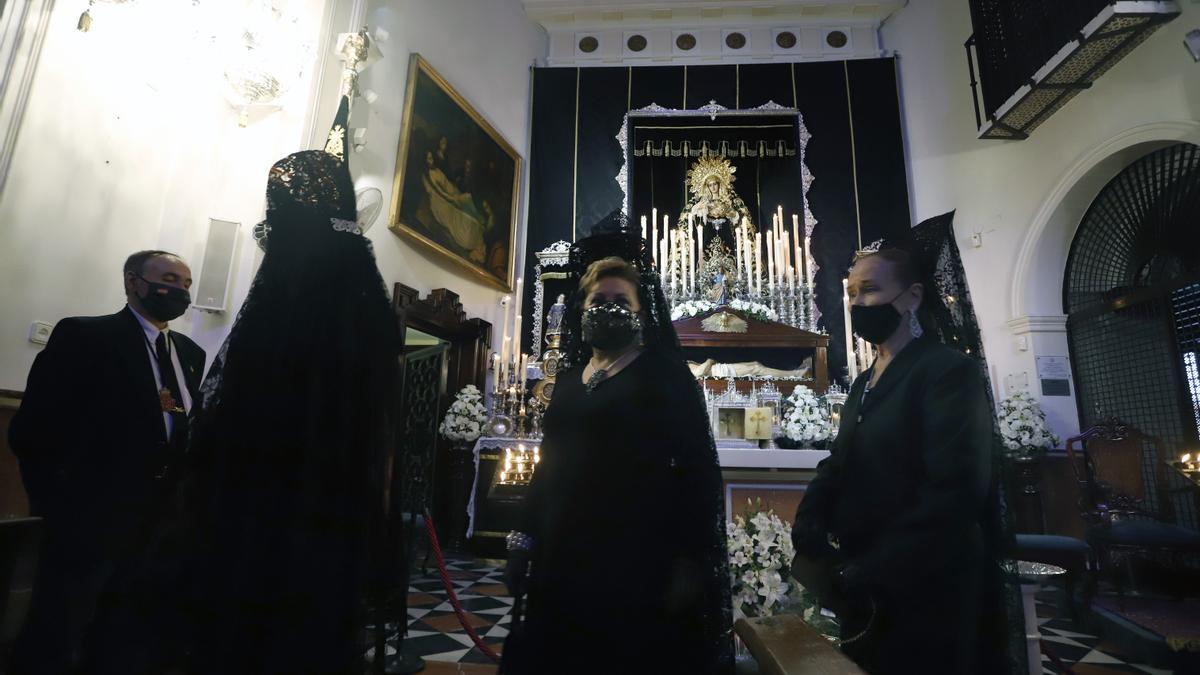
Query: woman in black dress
x: 624, y: 524
x: 901, y: 508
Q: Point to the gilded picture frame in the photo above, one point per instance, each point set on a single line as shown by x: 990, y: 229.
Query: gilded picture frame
x: 457, y: 186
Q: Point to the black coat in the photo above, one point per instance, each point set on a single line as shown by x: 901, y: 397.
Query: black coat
x: 95, y: 459
x: 89, y: 433
x: 904, y: 496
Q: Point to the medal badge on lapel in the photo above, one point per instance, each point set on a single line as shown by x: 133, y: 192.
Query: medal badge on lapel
x: 167, y: 401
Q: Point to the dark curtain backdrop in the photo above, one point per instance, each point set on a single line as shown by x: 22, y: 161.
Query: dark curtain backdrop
x: 856, y: 154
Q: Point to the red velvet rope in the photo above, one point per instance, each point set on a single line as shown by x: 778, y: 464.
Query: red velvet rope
x: 458, y: 610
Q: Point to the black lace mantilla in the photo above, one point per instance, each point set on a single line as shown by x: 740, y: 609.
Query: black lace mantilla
x: 615, y: 237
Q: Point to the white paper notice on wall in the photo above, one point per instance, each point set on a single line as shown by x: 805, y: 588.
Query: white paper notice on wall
x: 1054, y: 372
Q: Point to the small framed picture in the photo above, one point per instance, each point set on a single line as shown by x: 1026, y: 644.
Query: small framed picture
x: 760, y: 423
x: 731, y: 423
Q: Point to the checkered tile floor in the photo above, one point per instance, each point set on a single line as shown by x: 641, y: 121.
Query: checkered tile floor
x: 1084, y: 654
x: 435, y: 634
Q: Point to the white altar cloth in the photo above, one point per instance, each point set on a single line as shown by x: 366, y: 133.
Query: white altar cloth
x: 755, y: 458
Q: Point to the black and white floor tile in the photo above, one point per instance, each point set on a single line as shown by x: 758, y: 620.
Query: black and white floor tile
x: 1080, y: 653
x: 435, y: 634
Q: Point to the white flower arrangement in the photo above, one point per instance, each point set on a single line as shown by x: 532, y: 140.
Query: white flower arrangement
x: 806, y: 418
x: 466, y: 417
x: 1023, y: 424
x: 691, y: 308
x: 696, y: 307
x: 755, y: 309
x: 760, y: 559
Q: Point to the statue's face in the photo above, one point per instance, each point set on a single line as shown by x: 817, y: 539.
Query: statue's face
x: 713, y: 186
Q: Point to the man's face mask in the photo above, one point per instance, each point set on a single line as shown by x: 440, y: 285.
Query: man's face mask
x: 164, y: 302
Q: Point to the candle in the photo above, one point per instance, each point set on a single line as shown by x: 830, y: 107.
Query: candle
x: 653, y: 231
x: 808, y: 267
x: 778, y: 221
x: 849, y: 330
x: 504, y: 363
x: 798, y: 261
x: 516, y: 345
x: 504, y: 302
x: 771, y: 261
x: 700, y: 244
x: 786, y: 249
x: 654, y: 215
x: 758, y: 262
x: 643, y: 227
x: 674, y: 264
x: 665, y: 260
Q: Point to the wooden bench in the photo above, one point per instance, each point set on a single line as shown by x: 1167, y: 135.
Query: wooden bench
x: 785, y: 645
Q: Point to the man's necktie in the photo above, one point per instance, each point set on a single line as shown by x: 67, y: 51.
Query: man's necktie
x: 166, y: 370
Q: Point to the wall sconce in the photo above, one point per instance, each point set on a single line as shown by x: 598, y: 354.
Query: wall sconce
x: 357, y: 52
x: 85, y: 19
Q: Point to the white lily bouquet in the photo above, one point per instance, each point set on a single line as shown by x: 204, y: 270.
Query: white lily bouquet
x: 806, y: 419
x: 466, y: 417
x: 1023, y: 424
x: 760, y: 559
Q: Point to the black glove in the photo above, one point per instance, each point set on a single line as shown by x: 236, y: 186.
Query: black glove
x: 516, y: 573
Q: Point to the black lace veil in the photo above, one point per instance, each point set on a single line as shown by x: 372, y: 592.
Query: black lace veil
x: 615, y: 237
x: 287, y: 455
x: 949, y: 314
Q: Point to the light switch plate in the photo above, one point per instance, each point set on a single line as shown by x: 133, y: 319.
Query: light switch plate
x: 39, y: 332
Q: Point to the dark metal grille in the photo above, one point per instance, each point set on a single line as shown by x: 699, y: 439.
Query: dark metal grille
x: 1140, y: 232
x: 1186, y: 302
x: 1133, y: 305
x: 1013, y: 38
x: 422, y: 401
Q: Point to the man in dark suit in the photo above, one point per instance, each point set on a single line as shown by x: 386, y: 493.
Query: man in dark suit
x: 103, y: 421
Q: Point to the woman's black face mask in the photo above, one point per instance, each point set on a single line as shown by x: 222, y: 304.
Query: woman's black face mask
x: 610, y: 326
x: 875, y: 323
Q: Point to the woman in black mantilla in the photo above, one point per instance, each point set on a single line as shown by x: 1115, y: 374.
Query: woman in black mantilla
x: 903, y: 509
x: 624, y: 522
x: 261, y: 564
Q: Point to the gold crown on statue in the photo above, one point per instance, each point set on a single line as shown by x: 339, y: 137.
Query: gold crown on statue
x: 710, y: 167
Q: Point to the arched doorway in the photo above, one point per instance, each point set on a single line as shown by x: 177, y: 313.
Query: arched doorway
x: 1132, y: 296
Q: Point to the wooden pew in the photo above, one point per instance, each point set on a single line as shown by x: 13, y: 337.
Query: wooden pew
x: 785, y: 645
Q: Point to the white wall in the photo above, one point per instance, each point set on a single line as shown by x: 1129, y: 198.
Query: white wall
x: 127, y: 143
x: 484, y: 49
x: 1026, y: 197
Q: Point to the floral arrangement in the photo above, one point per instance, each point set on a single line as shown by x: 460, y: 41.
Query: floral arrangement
x: 466, y: 417
x: 696, y: 307
x: 806, y: 418
x: 691, y: 308
x: 755, y: 309
x: 1023, y: 424
x: 760, y: 558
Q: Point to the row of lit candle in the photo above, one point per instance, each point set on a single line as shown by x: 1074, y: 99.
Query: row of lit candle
x: 509, y: 361
x: 525, y: 462
x: 1189, y: 463
x: 860, y: 354
x: 679, y: 252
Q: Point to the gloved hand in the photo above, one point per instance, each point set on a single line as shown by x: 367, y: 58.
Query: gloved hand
x: 516, y: 573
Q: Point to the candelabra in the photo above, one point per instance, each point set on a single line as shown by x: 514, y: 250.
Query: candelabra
x: 520, y: 464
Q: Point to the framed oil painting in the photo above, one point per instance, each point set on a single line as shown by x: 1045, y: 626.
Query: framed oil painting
x: 457, y: 180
